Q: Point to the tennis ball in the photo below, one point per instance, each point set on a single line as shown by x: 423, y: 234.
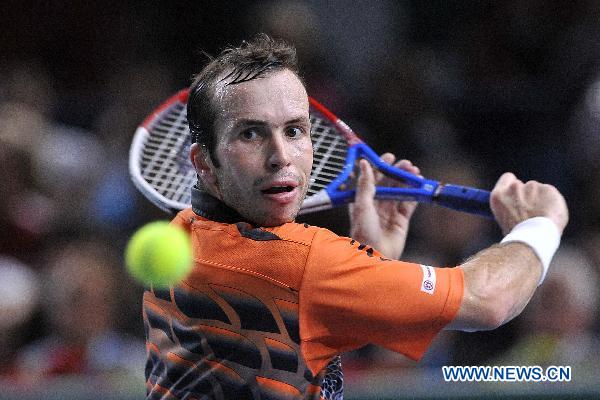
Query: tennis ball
x: 159, y: 254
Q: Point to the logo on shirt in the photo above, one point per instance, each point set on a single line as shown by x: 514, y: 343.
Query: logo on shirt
x: 428, y: 282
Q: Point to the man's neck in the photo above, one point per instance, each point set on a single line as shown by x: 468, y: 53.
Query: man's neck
x: 208, y: 206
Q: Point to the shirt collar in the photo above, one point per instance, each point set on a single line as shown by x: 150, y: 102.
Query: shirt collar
x: 209, y: 207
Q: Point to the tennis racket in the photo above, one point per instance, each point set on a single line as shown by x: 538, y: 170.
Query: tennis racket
x: 160, y: 167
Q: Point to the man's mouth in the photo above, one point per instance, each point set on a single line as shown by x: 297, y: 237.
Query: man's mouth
x: 278, y: 189
x: 282, y: 192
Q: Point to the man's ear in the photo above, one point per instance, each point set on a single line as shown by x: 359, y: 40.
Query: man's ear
x: 203, y: 164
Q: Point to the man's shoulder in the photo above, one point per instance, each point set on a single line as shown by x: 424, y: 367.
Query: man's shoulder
x: 299, y: 232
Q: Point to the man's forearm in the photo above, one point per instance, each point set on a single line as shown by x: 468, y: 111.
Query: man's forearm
x: 499, y: 281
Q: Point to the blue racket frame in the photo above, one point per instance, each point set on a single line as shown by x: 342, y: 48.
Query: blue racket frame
x: 456, y: 197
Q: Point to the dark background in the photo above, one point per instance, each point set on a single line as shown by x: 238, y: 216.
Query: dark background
x: 465, y: 89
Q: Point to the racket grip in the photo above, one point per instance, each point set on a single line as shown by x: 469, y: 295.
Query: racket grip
x: 465, y: 199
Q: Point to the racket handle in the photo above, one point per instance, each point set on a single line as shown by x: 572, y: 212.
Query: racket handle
x: 465, y: 199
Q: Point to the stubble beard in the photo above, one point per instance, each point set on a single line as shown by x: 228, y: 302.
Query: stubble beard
x: 260, y: 215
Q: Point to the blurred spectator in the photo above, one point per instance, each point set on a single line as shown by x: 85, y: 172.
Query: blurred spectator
x: 557, y: 326
x: 26, y: 213
x: 304, y: 25
x: 81, y: 291
x: 29, y: 85
x: 19, y: 298
x: 584, y: 155
x: 67, y: 161
x: 132, y: 93
x: 49, y: 166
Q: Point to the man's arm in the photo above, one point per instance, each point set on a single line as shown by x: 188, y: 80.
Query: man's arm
x: 500, y: 280
x: 498, y: 283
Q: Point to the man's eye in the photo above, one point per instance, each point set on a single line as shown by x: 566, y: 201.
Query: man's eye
x: 249, y: 134
x: 294, y: 132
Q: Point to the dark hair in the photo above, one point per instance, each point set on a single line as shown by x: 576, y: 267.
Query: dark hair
x: 252, y: 59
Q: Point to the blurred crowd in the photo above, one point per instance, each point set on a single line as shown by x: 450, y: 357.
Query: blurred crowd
x: 466, y: 90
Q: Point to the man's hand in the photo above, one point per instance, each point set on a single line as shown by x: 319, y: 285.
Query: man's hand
x: 513, y: 201
x: 500, y: 280
x: 382, y: 224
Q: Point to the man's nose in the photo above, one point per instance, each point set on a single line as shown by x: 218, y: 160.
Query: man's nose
x: 279, y: 152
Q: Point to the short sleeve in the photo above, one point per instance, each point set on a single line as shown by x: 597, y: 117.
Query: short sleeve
x: 351, y: 296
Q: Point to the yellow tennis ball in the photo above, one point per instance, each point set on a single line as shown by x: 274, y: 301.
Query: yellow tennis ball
x: 159, y: 254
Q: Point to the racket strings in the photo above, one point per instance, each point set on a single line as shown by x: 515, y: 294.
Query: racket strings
x: 329, y: 153
x: 164, y: 160
x: 165, y: 163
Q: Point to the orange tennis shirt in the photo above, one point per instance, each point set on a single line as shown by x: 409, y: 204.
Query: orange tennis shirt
x: 265, y: 312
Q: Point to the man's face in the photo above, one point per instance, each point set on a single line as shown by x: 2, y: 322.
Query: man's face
x: 262, y: 141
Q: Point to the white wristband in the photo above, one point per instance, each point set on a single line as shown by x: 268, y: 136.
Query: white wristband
x: 539, y: 233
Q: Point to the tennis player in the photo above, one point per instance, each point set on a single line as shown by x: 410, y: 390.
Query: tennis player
x: 270, y: 304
